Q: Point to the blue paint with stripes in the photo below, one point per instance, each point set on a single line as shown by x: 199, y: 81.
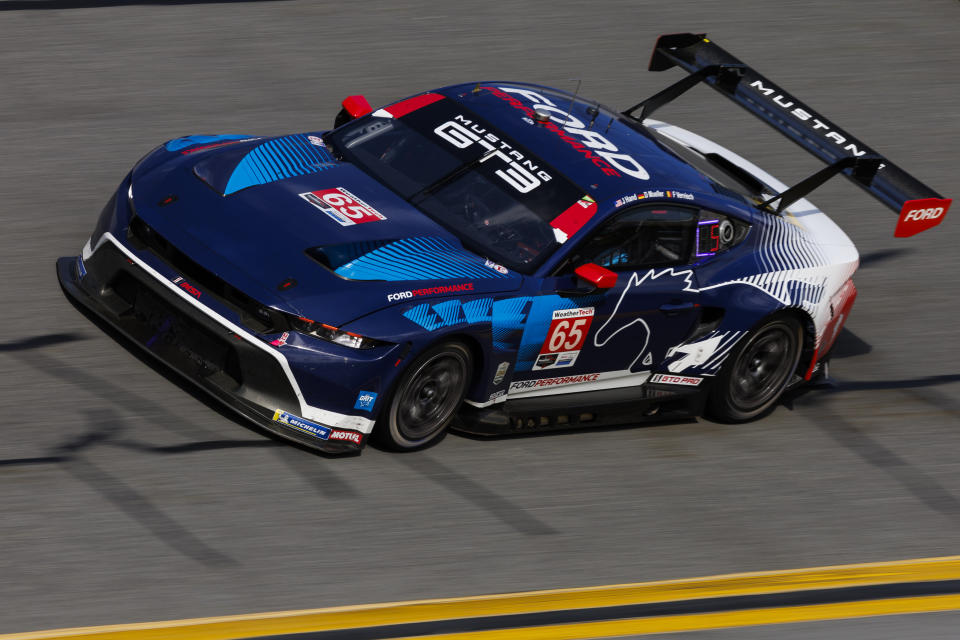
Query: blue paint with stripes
x: 425, y: 258
x: 509, y: 316
x: 450, y: 313
x: 478, y: 310
x: 277, y: 159
x: 191, y: 141
x: 424, y: 316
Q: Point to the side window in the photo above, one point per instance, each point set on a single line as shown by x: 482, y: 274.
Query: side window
x: 640, y: 237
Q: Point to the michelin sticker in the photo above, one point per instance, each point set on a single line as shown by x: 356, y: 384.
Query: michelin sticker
x: 302, y: 424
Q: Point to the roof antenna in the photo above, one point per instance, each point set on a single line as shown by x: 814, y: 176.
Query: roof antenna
x: 593, y: 110
x: 566, y: 117
x: 609, y: 123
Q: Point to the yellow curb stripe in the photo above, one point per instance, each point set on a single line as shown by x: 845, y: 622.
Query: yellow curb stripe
x: 280, y: 622
x: 702, y: 621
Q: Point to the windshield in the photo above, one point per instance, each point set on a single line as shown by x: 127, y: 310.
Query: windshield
x: 495, y: 196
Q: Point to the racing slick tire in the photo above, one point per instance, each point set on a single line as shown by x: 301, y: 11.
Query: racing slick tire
x: 757, y: 372
x: 426, y: 397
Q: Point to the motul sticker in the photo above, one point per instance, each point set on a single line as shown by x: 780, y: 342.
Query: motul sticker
x: 565, y: 337
x: 664, y: 378
x: 920, y: 215
x: 344, y: 207
x: 351, y: 436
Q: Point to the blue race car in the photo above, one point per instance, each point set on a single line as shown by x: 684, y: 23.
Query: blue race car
x: 495, y: 256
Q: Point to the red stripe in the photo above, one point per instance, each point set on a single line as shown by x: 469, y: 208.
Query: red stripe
x: 404, y: 107
x: 573, y: 219
x: 211, y: 146
x: 813, y: 364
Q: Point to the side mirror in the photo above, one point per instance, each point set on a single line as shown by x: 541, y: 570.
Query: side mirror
x: 353, y: 108
x: 596, y: 275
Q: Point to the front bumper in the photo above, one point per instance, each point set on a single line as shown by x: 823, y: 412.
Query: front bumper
x: 232, y: 366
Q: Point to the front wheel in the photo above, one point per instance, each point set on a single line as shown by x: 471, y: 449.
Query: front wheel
x: 426, y: 397
x: 757, y: 372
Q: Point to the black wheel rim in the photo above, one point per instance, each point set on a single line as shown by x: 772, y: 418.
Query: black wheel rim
x: 763, y: 368
x: 431, y: 396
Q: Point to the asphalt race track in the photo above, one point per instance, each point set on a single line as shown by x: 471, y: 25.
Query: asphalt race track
x: 125, y: 498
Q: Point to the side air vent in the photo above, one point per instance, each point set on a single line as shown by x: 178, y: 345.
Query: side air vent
x: 710, y: 318
x: 335, y: 256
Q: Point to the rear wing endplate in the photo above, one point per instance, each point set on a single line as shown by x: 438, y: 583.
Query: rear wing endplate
x: 919, y: 206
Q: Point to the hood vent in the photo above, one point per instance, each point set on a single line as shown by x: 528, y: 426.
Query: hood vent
x: 335, y: 256
x: 234, y: 169
x: 425, y: 258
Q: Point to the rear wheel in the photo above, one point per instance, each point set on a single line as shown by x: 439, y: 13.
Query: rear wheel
x: 426, y: 397
x: 757, y: 372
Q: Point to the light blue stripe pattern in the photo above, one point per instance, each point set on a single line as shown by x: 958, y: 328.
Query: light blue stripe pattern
x: 277, y: 159
x: 424, y: 258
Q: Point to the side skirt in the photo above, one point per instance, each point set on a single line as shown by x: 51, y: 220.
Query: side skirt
x: 609, y: 407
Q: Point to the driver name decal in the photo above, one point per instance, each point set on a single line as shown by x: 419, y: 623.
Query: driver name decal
x: 342, y: 206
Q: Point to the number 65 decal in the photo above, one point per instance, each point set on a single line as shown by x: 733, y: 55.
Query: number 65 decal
x: 565, y: 337
x: 344, y: 207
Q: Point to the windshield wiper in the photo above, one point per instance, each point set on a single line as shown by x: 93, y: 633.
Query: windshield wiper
x: 450, y: 177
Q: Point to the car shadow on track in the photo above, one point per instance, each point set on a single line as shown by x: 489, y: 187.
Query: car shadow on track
x: 867, y: 260
x: 645, y: 424
x: 188, y: 387
x: 850, y: 345
x: 105, y: 427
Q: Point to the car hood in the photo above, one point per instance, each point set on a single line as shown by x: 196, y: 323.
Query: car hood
x: 257, y: 214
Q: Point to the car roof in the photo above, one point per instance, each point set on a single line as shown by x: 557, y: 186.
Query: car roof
x: 611, y: 157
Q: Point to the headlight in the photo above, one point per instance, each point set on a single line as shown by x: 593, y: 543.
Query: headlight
x: 333, y: 334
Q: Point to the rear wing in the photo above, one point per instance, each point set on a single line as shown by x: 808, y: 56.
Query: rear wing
x: 919, y: 206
